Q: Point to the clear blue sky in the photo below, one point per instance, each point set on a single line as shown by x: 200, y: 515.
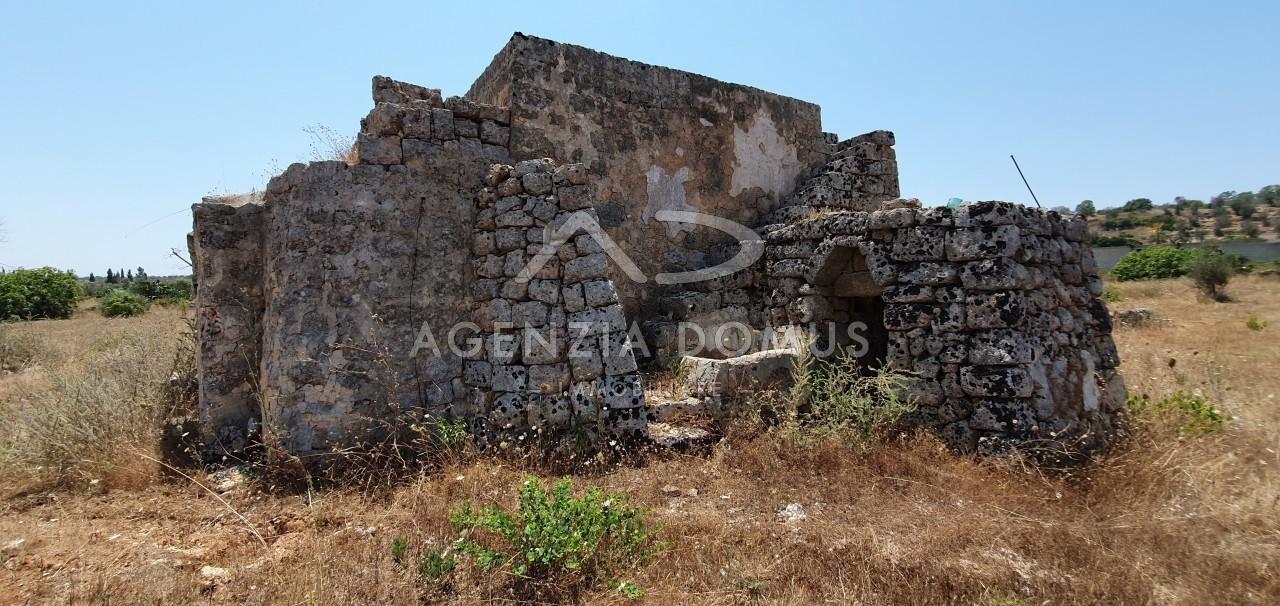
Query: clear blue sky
x: 118, y: 114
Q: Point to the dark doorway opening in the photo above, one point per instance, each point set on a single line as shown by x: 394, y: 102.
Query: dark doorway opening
x: 856, y: 321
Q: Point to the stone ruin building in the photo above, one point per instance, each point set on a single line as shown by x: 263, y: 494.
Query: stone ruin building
x: 325, y: 304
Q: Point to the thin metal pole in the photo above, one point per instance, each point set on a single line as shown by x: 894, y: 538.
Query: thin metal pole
x: 1024, y: 180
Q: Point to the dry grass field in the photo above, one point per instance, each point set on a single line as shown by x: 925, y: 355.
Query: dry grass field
x: 1171, y: 516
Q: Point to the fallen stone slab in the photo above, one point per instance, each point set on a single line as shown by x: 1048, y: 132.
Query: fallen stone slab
x: 770, y: 369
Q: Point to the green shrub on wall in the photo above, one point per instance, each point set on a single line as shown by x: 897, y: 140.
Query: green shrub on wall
x: 45, y: 293
x: 1153, y: 263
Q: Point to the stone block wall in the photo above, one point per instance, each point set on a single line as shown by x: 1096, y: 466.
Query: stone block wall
x: 656, y: 139
x: 555, y: 362
x: 992, y: 306
x: 227, y: 250
x: 327, y: 308
x: 329, y: 304
x: 859, y: 173
x: 344, y: 267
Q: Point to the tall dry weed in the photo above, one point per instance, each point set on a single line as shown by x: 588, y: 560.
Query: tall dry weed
x: 92, y: 413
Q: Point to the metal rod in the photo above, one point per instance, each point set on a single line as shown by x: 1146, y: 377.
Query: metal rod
x: 1024, y: 180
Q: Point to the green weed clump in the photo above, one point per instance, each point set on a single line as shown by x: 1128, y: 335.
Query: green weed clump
x: 1111, y: 294
x: 555, y: 538
x: 1190, y: 414
x: 835, y: 396
x: 122, y: 304
x: 436, y: 564
x: 1255, y: 324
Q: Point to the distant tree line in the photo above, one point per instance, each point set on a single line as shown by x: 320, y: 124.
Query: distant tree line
x: 49, y: 293
x: 1186, y: 219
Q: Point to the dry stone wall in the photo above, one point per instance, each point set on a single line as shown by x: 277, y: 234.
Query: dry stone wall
x: 328, y: 308
x: 556, y: 362
x: 227, y: 249
x: 343, y: 267
x: 992, y: 306
x: 705, y: 318
x: 656, y: 139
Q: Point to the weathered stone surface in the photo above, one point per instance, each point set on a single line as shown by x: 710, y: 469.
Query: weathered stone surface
x: 227, y: 246
x: 995, y: 274
x: 919, y: 244
x: 1000, y: 309
x: 566, y: 100
x: 995, y: 381
x: 974, y: 243
x: 378, y: 149
x: 589, y: 267
x: 757, y: 371
x: 386, y: 90
x: 348, y: 279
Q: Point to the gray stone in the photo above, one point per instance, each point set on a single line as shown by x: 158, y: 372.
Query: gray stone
x: 763, y: 370
x: 599, y: 293
x: 994, y: 274
x: 586, y: 268
x: 537, y: 183
x: 547, y: 291
x: 549, y: 378
x: 535, y: 165
x: 598, y: 321
x: 892, y: 219
x: 585, y: 358
x: 919, y: 244
x: 512, y: 378
x: 999, y: 309
x: 617, y: 355
x: 378, y: 149
x: 543, y: 345
x: 995, y: 381
x: 477, y: 374
x: 515, y: 290
x: 442, y: 124
x: 574, y: 301
x: 529, y: 313
x: 974, y: 243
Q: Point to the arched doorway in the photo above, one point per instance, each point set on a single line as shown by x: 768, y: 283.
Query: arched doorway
x: 856, y: 308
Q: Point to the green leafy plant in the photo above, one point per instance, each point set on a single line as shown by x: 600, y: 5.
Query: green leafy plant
x: 45, y: 293
x: 398, y: 549
x: 436, y: 564
x: 1111, y: 294
x: 1153, y: 263
x: 1190, y: 413
x: 629, y: 589
x: 837, y: 396
x: 451, y: 433
x: 554, y: 535
x: 1255, y: 324
x: 122, y: 304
